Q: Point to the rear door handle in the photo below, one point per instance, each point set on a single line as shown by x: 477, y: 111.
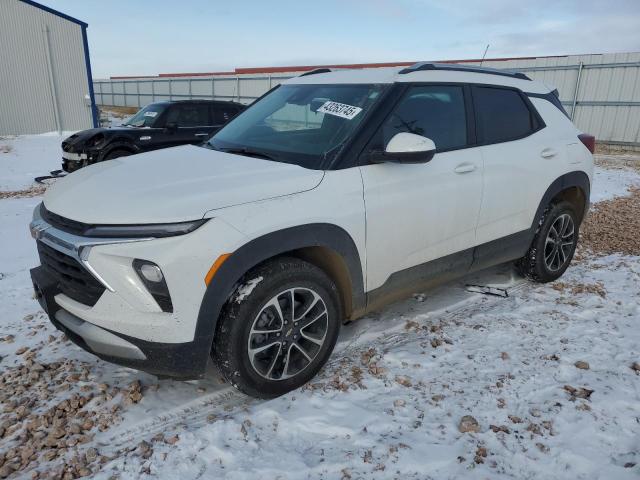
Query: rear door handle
x: 548, y: 153
x: 465, y: 168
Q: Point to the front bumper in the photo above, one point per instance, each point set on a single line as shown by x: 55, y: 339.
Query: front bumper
x: 75, y: 157
x: 183, y: 361
x: 73, y: 161
x: 125, y: 325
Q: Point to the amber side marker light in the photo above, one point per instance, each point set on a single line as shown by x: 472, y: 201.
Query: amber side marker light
x: 214, y: 268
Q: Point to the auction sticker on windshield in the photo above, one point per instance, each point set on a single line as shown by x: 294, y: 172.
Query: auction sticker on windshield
x: 339, y: 109
x: 150, y: 114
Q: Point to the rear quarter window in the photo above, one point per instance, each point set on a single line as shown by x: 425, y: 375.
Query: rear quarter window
x: 502, y: 115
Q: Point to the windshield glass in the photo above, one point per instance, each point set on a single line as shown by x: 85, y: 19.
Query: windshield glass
x: 301, y: 124
x: 147, y: 116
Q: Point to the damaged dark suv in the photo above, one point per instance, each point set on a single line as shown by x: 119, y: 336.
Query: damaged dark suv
x: 158, y: 125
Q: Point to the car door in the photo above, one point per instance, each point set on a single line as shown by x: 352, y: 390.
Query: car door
x: 419, y: 213
x: 188, y: 123
x: 516, y: 161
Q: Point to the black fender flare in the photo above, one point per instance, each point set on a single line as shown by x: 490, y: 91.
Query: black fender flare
x: 577, y: 179
x: 267, y: 246
x: 119, y: 144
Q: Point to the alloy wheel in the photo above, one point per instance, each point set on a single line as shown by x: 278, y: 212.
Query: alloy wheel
x: 288, y: 333
x: 559, y: 242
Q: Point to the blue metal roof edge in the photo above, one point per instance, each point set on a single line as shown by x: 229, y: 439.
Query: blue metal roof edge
x: 87, y: 61
x: 55, y: 12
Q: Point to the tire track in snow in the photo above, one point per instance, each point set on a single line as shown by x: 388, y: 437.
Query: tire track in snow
x: 228, y: 401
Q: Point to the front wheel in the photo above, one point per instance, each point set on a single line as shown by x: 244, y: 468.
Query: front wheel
x: 278, y: 328
x: 553, y: 245
x: 117, y: 153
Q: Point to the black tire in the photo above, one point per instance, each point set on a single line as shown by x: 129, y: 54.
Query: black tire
x: 118, y: 152
x: 549, y: 266
x: 253, y: 302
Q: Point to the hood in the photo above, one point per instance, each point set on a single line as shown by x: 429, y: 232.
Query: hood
x: 172, y: 185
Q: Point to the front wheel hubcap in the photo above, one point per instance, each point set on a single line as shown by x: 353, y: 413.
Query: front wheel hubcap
x: 559, y: 242
x: 288, y: 333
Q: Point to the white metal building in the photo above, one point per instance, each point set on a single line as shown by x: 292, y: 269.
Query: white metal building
x: 45, y: 73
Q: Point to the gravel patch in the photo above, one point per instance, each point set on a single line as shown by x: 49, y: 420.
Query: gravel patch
x: 51, y: 412
x: 34, y: 191
x: 618, y: 162
x: 612, y: 226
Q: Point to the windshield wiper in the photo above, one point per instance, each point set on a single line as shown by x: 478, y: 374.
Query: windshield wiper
x: 248, y: 152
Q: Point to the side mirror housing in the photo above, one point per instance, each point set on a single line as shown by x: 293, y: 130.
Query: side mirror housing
x: 171, y: 127
x: 406, y: 147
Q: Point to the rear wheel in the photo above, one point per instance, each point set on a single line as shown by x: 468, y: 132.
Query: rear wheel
x: 278, y: 328
x: 553, y: 245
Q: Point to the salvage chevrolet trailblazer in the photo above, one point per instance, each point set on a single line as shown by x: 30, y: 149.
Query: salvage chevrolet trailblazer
x: 333, y: 194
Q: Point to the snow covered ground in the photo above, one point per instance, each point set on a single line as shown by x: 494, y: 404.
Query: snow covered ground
x: 27, y: 156
x: 24, y: 157
x: 388, y: 405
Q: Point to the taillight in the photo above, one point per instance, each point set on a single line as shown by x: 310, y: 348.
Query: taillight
x: 588, y: 141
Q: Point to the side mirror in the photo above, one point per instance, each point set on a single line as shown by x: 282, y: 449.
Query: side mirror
x: 406, y: 147
x: 171, y: 127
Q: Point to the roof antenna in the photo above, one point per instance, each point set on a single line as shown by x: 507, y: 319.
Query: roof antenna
x: 484, y: 54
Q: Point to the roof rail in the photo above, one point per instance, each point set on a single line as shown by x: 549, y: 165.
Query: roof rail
x: 314, y: 71
x: 421, y: 66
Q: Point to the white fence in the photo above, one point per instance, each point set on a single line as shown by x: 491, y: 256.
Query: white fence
x: 600, y: 92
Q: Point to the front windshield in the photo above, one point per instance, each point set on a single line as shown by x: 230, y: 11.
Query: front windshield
x: 147, y: 116
x: 301, y: 124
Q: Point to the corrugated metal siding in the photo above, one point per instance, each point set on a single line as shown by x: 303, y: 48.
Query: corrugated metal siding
x: 608, y: 98
x: 26, y: 100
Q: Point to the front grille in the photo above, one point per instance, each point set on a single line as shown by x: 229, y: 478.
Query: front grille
x: 73, y: 279
x: 62, y: 223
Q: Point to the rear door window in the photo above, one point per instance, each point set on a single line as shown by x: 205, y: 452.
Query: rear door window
x: 502, y: 115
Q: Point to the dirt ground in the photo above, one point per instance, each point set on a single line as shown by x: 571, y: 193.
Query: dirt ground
x: 123, y: 111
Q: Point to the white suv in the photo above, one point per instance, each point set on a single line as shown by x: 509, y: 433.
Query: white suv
x: 334, y: 193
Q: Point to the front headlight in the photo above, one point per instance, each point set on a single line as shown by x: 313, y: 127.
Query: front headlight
x: 152, y: 230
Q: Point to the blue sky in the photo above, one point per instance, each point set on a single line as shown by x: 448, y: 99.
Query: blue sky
x: 146, y: 37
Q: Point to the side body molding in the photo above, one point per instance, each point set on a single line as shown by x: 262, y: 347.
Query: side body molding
x: 262, y: 248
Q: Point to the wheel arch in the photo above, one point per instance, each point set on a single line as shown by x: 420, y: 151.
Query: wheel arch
x: 574, y: 187
x: 327, y: 246
x: 119, y: 144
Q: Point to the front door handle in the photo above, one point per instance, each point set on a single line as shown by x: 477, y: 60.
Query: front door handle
x: 465, y: 168
x: 201, y: 134
x: 548, y: 153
